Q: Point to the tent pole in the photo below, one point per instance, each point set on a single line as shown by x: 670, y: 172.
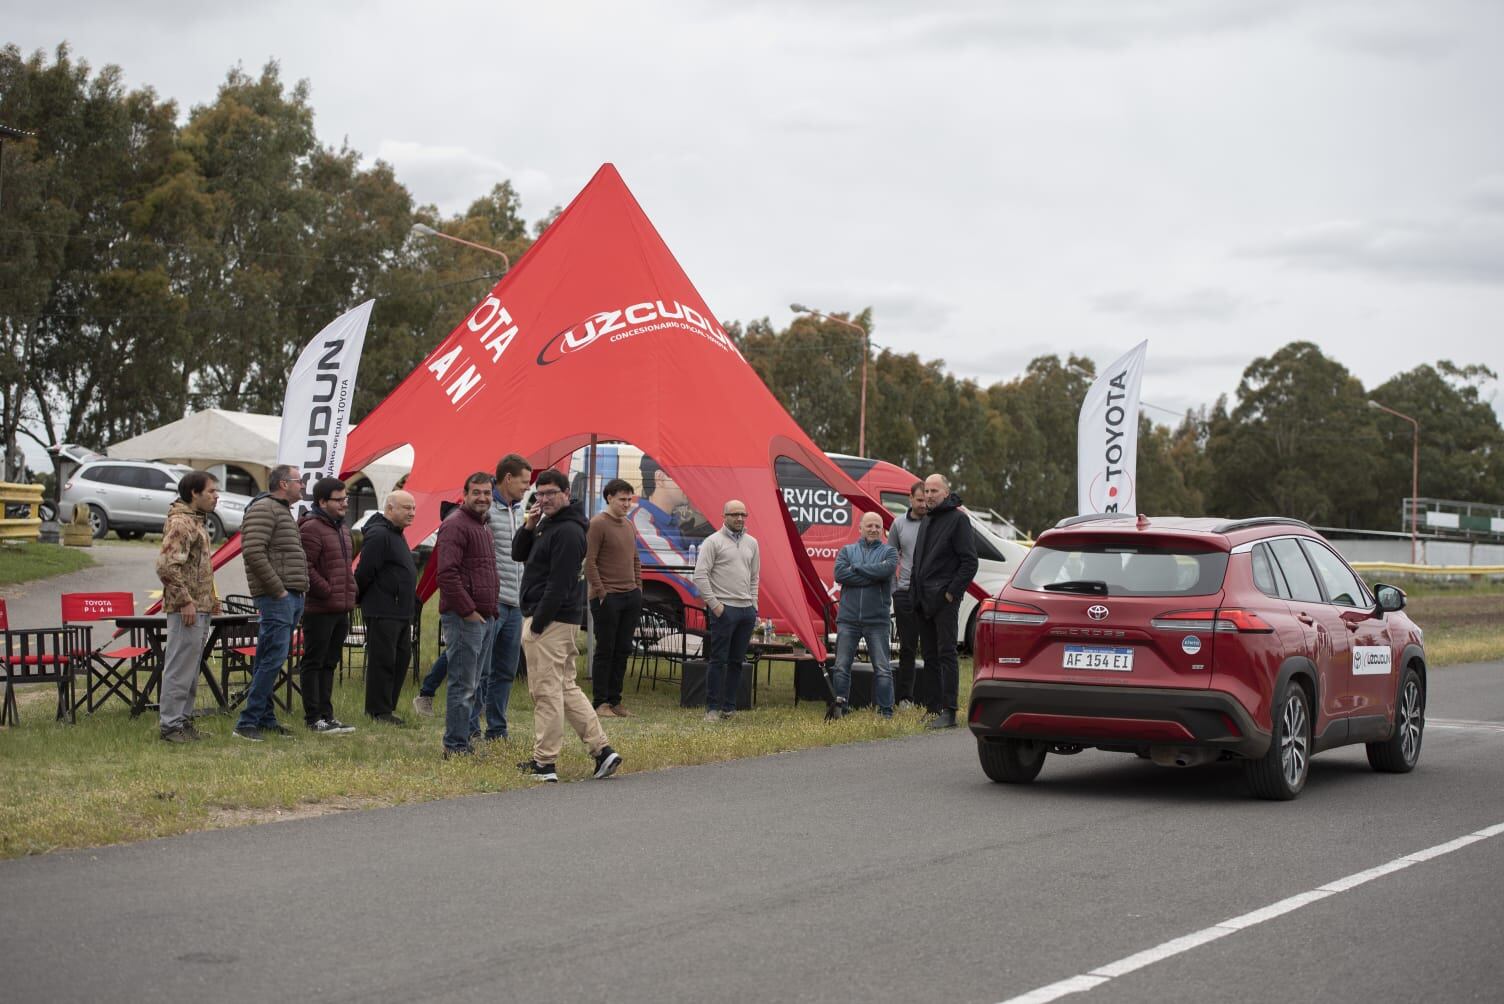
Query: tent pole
x: 589, y: 618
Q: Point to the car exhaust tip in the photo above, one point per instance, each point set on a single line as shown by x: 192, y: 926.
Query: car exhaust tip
x: 1177, y: 756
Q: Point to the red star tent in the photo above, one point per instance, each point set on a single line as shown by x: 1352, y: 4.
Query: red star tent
x: 598, y: 332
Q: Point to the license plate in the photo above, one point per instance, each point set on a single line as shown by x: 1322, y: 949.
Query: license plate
x: 1117, y: 660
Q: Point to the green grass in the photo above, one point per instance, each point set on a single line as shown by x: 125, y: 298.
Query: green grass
x: 109, y: 780
x: 27, y: 561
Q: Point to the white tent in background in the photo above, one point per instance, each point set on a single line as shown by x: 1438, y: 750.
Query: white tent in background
x: 238, y: 445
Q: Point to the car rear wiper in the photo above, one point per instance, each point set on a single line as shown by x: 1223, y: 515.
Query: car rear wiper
x: 1093, y: 587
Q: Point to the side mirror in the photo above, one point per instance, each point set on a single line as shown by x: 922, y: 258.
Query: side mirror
x: 1391, y: 598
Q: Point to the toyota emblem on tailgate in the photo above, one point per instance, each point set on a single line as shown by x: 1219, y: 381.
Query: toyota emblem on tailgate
x: 1097, y: 612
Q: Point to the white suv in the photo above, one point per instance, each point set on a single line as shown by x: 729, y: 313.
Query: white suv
x: 131, y: 497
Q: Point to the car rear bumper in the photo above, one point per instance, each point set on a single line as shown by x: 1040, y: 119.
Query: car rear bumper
x: 1119, y: 717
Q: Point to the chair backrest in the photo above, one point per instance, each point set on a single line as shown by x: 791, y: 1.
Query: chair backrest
x: 4, y: 617
x: 238, y: 603
x: 97, y: 606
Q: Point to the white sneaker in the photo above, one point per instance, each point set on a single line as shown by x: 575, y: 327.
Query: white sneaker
x: 712, y: 716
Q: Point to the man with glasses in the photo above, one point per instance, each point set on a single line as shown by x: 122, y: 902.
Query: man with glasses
x: 331, y: 597
x: 552, y: 543
x: 276, y: 571
x: 726, y: 575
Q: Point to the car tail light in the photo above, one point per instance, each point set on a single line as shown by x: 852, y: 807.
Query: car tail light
x: 1226, y: 620
x: 996, y: 611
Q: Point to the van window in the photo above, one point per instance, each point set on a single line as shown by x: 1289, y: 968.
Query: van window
x: 1127, y: 570
x: 895, y: 502
x: 986, y: 550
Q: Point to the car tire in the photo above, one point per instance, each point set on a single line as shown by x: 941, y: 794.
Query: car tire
x: 1011, y: 761
x: 1400, y: 752
x: 1280, y: 774
x: 216, y: 529
x: 130, y: 534
x: 99, y: 520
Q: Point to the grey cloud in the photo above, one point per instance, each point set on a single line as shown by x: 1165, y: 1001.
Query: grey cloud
x: 454, y: 176
x: 1487, y: 195
x: 1196, y: 305
x: 1467, y: 249
x: 1390, y: 41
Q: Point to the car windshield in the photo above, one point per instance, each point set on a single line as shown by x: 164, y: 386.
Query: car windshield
x: 1122, y: 570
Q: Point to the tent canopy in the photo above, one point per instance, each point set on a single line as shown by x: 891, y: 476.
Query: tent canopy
x: 246, y: 440
x: 598, y: 331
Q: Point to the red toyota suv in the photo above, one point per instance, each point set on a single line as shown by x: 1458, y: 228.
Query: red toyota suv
x: 1192, y: 640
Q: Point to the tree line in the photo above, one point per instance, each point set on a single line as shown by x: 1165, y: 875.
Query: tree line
x: 153, y: 264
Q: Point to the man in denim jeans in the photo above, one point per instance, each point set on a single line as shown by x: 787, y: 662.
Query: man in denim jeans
x: 865, y: 568
x: 276, y: 570
x: 726, y: 574
x: 467, y: 606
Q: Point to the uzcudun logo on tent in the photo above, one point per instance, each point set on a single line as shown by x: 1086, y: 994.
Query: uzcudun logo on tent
x: 628, y: 322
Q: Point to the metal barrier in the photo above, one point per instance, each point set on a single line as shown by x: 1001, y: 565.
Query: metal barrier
x: 1402, y: 568
x: 13, y: 497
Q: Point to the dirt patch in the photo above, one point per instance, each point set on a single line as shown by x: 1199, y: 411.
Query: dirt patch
x: 221, y: 818
x: 1468, y: 610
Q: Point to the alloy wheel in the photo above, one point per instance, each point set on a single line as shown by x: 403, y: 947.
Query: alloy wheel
x: 1294, y: 751
x: 1410, y: 720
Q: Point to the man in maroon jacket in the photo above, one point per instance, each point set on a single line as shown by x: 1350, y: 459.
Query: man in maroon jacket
x: 468, y: 598
x: 331, y: 597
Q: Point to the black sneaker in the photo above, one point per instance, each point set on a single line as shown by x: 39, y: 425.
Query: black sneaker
x: 459, y: 753
x: 539, y: 772
x: 193, y: 733
x: 324, y: 727
x: 606, y: 762
x: 278, y: 729
x: 176, y: 734
x: 388, y: 719
x: 944, y: 720
x: 249, y: 733
x: 339, y: 728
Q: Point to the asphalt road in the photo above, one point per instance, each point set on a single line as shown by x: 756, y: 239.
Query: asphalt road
x: 880, y: 872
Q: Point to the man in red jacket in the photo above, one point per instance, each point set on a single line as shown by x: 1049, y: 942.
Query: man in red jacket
x: 468, y: 604
x: 331, y: 597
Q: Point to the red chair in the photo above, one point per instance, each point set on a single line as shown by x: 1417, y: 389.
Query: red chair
x: 110, y: 670
x: 40, y: 655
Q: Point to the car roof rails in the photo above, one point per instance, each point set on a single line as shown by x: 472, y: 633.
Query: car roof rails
x: 1252, y: 521
x: 1091, y: 517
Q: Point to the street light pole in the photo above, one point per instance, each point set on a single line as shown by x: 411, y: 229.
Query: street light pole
x: 424, y: 230
x: 1414, y: 470
x: 861, y: 428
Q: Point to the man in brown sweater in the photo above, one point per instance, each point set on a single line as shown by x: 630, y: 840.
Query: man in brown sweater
x: 614, y: 573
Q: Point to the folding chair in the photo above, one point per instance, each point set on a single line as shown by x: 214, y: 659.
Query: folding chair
x: 664, y: 640
x: 40, y: 655
x: 355, y: 645
x: 111, y: 671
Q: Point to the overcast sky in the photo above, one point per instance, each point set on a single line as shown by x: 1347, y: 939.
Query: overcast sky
x: 999, y: 180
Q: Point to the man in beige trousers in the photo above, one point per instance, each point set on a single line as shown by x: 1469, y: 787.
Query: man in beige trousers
x: 553, y: 609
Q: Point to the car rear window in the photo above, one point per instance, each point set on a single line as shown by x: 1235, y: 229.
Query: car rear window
x: 1122, y: 570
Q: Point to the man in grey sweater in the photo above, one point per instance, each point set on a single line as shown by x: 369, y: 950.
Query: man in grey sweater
x: 726, y: 575
x: 903, y: 535
x: 513, y: 474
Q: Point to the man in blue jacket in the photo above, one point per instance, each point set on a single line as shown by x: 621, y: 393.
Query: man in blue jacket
x: 865, y: 570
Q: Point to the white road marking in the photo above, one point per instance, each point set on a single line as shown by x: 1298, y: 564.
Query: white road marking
x: 1464, y: 725
x: 1103, y: 974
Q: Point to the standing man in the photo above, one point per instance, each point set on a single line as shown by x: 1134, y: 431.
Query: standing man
x: 513, y: 474
x: 276, y: 571
x: 865, y: 568
x: 726, y: 575
x: 904, y: 535
x: 467, y: 606
x: 553, y: 608
x: 331, y: 597
x: 614, y: 573
x: 188, y: 600
x: 386, y: 583
x: 945, y: 562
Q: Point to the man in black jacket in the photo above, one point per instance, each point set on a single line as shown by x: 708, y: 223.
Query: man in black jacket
x: 386, y: 581
x: 553, y: 609
x: 945, y: 562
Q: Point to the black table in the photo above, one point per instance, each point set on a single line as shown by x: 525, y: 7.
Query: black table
x: 152, y: 629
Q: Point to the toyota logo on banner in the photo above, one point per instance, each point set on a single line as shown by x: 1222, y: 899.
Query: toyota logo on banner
x: 1097, y: 612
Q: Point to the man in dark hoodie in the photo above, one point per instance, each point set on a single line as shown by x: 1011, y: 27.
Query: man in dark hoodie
x: 467, y: 605
x: 945, y: 562
x: 326, y: 608
x: 386, y: 582
x: 553, y: 608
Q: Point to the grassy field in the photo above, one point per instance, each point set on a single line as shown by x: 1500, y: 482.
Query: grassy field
x: 28, y: 560
x: 109, y: 780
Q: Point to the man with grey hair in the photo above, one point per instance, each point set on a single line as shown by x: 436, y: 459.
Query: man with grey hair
x: 386, y: 582
x: 945, y: 562
x: 726, y: 574
x: 276, y: 570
